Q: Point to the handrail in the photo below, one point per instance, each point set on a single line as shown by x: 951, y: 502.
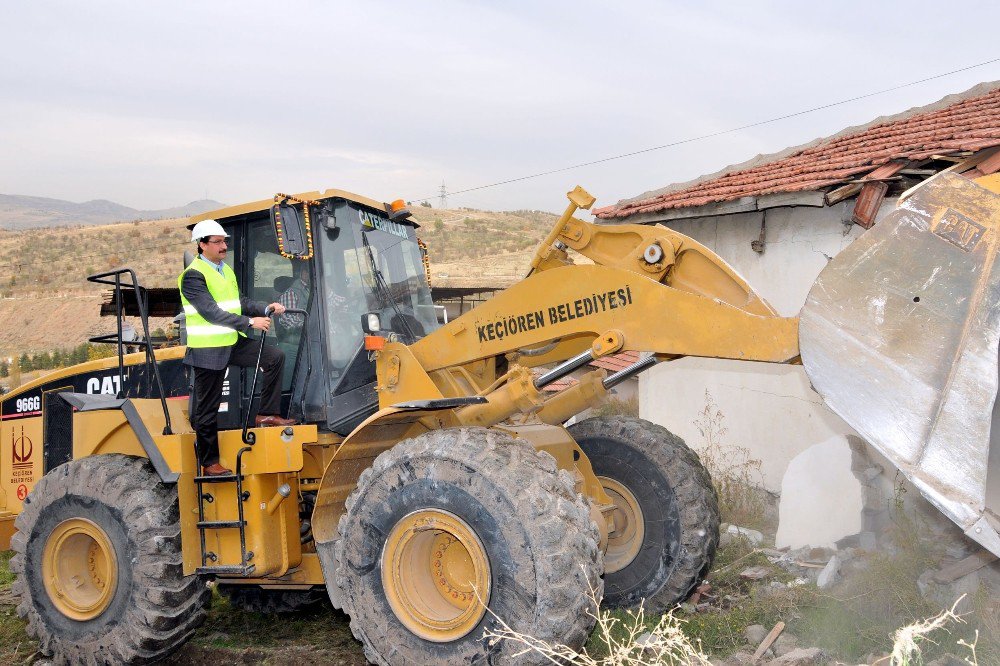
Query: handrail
x: 152, y: 367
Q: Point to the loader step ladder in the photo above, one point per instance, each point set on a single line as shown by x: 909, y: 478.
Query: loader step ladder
x: 245, y: 567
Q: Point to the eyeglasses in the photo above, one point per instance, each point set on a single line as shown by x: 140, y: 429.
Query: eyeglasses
x: 221, y: 241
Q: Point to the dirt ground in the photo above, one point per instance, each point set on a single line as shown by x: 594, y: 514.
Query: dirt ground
x: 750, y: 588
x: 202, y: 652
x: 229, y: 636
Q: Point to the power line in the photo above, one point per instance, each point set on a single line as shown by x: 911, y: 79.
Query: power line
x: 613, y: 157
x: 715, y: 134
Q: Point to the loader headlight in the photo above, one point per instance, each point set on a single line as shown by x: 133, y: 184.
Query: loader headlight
x: 371, y: 322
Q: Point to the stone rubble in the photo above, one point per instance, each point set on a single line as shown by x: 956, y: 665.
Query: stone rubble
x: 753, y: 536
x: 799, y: 657
x: 830, y: 575
x: 829, y: 567
x: 755, y: 633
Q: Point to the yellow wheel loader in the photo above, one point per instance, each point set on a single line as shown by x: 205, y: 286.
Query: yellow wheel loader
x: 433, y: 491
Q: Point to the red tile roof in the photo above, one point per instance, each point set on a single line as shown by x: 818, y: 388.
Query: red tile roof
x: 617, y: 361
x: 612, y: 364
x: 969, y: 124
x: 560, y: 384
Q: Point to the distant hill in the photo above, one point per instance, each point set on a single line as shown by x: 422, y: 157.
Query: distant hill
x: 470, y: 247
x: 46, y: 303
x: 24, y: 212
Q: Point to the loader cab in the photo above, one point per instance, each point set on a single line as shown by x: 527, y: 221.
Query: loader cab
x: 346, y: 259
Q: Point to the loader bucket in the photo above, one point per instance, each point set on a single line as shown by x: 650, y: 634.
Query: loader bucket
x: 900, y: 336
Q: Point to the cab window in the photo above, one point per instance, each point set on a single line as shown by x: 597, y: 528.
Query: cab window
x: 274, y: 278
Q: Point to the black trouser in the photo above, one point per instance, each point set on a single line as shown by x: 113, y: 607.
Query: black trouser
x: 208, y: 394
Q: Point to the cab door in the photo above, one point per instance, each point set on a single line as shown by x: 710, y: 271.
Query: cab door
x: 270, y: 277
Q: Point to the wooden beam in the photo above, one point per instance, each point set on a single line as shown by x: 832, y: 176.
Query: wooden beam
x: 843, y: 192
x: 766, y: 643
x: 886, y: 171
x: 953, y: 157
x: 868, y: 202
x: 973, y: 562
x: 971, y: 161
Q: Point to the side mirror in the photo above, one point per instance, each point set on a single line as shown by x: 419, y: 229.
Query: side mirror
x: 188, y: 258
x: 371, y: 323
x: 290, y: 217
x: 328, y: 217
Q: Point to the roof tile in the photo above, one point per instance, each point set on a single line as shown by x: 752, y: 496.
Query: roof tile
x: 969, y: 124
x: 616, y: 362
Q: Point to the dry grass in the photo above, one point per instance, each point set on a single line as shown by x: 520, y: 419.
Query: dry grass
x: 618, y: 407
x: 854, y: 621
x: 459, y: 240
x: 736, y: 475
x: 907, y: 641
x: 628, y: 639
x: 229, y: 635
x: 45, y: 295
x: 61, y: 258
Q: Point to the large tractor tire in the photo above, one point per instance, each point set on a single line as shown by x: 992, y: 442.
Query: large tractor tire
x: 451, y: 530
x: 98, y: 564
x: 255, y: 599
x: 666, y: 511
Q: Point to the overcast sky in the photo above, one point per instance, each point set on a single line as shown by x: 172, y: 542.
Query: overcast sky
x: 154, y: 104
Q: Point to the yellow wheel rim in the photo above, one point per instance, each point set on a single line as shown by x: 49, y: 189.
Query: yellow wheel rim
x: 436, y: 575
x: 625, y: 541
x: 80, y: 569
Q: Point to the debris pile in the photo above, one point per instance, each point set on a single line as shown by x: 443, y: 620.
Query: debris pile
x: 959, y: 571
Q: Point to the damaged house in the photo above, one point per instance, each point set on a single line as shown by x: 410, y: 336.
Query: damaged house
x: 777, y: 220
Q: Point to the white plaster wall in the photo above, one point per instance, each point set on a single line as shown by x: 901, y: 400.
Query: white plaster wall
x: 806, y: 516
x: 768, y: 410
x: 796, y: 246
x: 757, y: 411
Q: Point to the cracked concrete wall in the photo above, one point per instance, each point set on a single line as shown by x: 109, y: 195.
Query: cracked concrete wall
x: 760, y: 411
x: 798, y: 242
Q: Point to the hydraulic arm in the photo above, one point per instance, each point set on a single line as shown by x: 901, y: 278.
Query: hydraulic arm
x: 649, y: 289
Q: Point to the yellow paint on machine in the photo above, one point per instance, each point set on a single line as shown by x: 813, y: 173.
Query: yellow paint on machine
x: 272, y: 536
x: 21, y: 466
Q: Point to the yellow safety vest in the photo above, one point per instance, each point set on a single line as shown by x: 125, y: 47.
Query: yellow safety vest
x: 226, y: 293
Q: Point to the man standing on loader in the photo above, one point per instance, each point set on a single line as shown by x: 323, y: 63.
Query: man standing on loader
x: 217, y: 318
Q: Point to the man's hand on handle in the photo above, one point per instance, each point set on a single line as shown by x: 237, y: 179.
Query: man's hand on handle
x: 261, y: 323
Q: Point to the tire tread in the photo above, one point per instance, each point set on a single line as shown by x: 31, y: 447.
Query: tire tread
x: 695, y: 495
x: 556, y: 522
x: 165, y: 609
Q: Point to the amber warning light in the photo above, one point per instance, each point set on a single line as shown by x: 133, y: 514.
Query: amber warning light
x: 398, y: 210
x: 374, y: 342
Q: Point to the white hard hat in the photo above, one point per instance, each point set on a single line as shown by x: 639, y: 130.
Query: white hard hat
x: 207, y: 228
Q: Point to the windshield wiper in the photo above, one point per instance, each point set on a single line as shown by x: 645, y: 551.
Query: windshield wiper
x: 382, y: 289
